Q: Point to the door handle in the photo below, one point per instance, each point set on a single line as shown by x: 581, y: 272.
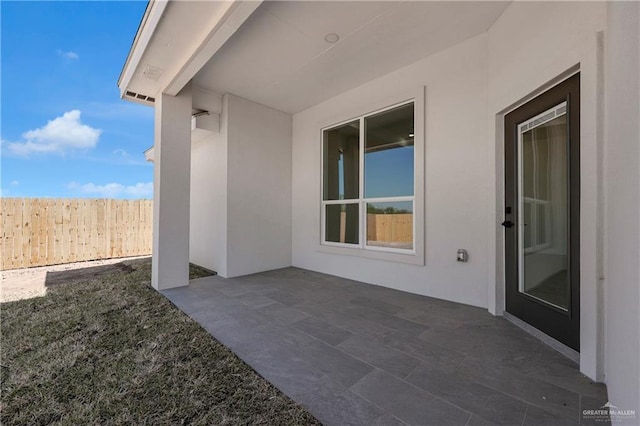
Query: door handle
x: 507, y: 224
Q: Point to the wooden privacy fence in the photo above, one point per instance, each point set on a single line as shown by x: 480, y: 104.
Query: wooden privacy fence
x: 395, y: 228
x: 47, y: 231
x: 390, y: 228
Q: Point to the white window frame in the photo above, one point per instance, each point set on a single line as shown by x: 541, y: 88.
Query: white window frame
x: 362, y: 249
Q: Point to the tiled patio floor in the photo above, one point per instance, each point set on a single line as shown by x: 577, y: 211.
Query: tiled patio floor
x: 354, y: 353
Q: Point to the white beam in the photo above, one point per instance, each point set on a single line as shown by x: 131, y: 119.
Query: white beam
x: 206, y: 122
x: 204, y: 126
x: 172, y: 172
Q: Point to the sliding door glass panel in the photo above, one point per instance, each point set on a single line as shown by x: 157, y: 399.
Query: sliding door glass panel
x: 543, y: 208
x: 341, y: 153
x: 388, y: 159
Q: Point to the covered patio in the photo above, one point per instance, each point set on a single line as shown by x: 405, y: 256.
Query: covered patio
x: 354, y: 353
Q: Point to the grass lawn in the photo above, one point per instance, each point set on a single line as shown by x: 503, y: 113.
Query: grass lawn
x: 114, y: 351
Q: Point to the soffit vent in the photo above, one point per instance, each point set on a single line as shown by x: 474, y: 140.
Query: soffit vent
x: 139, y: 97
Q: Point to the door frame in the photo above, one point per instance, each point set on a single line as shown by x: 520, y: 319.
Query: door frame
x: 555, y: 323
x: 512, y: 85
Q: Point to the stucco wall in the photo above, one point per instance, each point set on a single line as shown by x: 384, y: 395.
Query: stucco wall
x: 208, y: 233
x: 455, y: 177
x: 241, y: 191
x: 259, y: 187
x: 622, y: 154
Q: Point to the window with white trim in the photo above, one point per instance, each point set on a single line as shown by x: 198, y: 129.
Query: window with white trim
x: 368, y: 182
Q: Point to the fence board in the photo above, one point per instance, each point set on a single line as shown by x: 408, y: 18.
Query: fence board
x: 7, y: 216
x: 127, y: 224
x: 35, y: 233
x: 100, y: 244
x: 77, y: 230
x: 69, y: 229
x: 148, y: 225
x: 5, y: 234
x: 92, y: 232
x: 84, y: 218
x: 57, y: 233
x: 121, y: 229
x: 42, y: 231
x: 51, y: 229
x: 107, y: 227
x: 132, y: 240
x: 138, y: 228
x: 16, y: 233
x: 38, y: 232
x: 25, y: 252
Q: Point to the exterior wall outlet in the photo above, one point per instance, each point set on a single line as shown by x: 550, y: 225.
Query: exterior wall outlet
x: 463, y: 256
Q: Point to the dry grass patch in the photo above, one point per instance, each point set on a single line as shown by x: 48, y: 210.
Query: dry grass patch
x: 114, y: 351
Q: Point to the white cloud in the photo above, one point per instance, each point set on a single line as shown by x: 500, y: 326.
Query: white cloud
x: 120, y: 153
x: 68, y: 54
x: 140, y: 190
x: 15, y: 183
x: 58, y: 136
x: 114, y: 190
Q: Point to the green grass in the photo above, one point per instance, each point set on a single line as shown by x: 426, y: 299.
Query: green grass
x: 114, y: 351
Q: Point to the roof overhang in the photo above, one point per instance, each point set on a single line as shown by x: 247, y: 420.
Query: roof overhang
x: 149, y: 155
x: 165, y: 56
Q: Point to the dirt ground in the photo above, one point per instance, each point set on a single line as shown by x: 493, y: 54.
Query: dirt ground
x: 25, y: 283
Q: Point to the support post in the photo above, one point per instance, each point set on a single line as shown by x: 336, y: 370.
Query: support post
x: 171, y: 183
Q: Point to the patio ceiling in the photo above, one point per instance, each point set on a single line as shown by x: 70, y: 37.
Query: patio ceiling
x: 174, y: 40
x: 279, y: 56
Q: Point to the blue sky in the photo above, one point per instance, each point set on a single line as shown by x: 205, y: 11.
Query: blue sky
x: 65, y: 131
x: 389, y: 173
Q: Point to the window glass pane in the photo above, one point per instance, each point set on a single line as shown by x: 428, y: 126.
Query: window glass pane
x: 542, y: 168
x: 526, y: 216
x: 341, y: 223
x: 527, y: 165
x: 388, y: 160
x: 341, y: 172
x: 541, y: 223
x: 390, y: 224
x: 545, y: 209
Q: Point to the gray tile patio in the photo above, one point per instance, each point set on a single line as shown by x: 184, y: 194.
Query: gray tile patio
x: 357, y: 354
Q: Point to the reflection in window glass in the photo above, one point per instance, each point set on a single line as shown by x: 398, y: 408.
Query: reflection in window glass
x: 526, y: 216
x: 388, y: 160
x: 390, y: 224
x: 341, y: 223
x: 527, y: 165
x: 341, y: 162
x: 542, y: 168
x: 541, y: 224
